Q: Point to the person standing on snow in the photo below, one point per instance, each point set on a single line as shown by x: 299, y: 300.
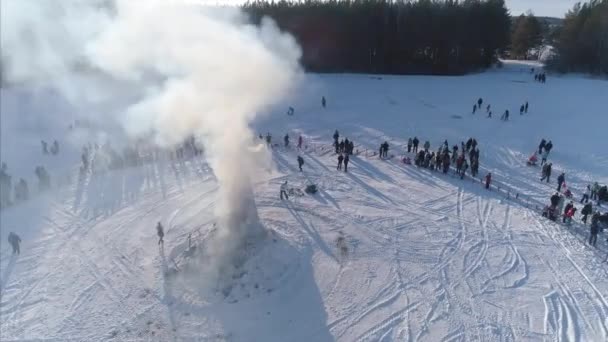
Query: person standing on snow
x: 468, y: 144
x: 594, y: 190
x: 346, y: 160
x: 542, y: 145
x: 15, y: 241
x: 479, y: 102
x: 488, y: 109
x: 284, y: 191
x: 474, y: 108
x: 586, y: 194
x: 464, y: 168
x: 526, y: 107
x: 300, y: 142
x: 409, y: 145
x: 549, y: 146
x: 340, y: 159
x: 323, y: 101
x: 546, y: 172
x: 545, y: 155
x: 595, y: 228
x: 459, y: 163
x: 300, y: 162
x: 488, y: 180
x: 286, y: 139
x: 415, y: 141
x: 521, y: 110
x: 268, y: 139
x: 160, y: 232
x: 587, y: 209
x: 560, y: 181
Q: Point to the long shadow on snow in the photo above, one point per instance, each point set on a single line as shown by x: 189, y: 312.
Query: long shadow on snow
x: 7, y: 273
x: 282, y: 162
x: 369, y: 169
x: 370, y: 189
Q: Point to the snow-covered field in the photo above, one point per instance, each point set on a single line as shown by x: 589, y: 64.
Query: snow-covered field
x: 427, y: 257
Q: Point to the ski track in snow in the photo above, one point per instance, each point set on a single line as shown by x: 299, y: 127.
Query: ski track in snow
x: 428, y: 257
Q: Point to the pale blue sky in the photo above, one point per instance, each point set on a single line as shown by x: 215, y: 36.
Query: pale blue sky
x: 550, y: 8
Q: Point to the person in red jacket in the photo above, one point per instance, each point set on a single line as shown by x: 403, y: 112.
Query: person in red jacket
x: 488, y: 180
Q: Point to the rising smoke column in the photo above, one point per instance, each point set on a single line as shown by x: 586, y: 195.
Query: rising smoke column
x: 189, y: 70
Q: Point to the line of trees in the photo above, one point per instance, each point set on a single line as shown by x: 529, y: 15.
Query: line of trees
x: 527, y: 34
x: 582, y: 41
x: 392, y: 36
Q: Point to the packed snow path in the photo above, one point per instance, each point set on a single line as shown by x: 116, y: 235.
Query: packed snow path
x: 426, y: 257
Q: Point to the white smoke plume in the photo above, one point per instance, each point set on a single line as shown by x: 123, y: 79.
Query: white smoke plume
x: 167, y: 68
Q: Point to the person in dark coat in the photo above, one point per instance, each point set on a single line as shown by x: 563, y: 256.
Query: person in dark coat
x: 340, y: 160
x: 474, y: 108
x: 546, y: 172
x: 587, y: 209
x: 300, y: 162
x: 464, y: 168
x: 446, y: 162
x: 526, y: 107
x: 521, y: 110
x: 479, y: 102
x: 336, y: 138
x: 474, y: 167
x: 286, y: 139
x: 554, y: 200
x: 468, y: 144
x: 595, y: 228
x: 488, y: 180
x: 346, y: 160
x: 542, y: 145
x: 160, y: 232
x: 323, y: 101
x: 341, y: 148
x: 15, y: 241
x: 560, y: 181
x: 549, y: 146
x: 415, y: 141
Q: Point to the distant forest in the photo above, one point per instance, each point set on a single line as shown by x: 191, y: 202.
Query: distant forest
x: 582, y: 40
x: 448, y: 37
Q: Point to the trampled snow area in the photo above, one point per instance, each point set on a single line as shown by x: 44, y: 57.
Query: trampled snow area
x: 385, y: 252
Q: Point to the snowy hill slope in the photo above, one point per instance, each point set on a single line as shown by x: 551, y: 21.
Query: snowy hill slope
x: 427, y: 257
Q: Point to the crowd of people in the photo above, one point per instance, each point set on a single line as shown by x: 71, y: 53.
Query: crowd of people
x: 556, y: 209
x: 462, y: 159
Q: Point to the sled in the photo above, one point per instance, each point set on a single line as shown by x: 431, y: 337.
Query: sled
x: 532, y: 160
